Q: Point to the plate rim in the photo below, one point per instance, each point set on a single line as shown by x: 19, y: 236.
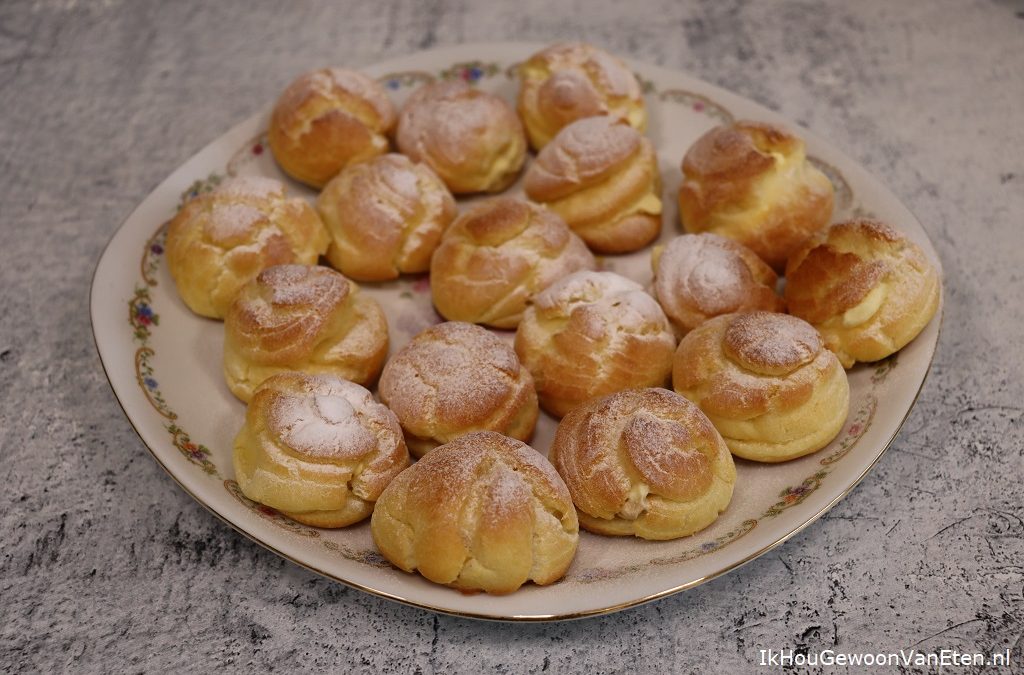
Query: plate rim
x: 454, y: 52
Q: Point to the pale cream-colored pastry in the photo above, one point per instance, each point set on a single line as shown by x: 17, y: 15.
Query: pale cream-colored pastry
x: 470, y: 138
x: 326, y: 120
x: 220, y: 240
x: 302, y: 318
x: 318, y: 449
x: 569, y: 81
x: 385, y: 217
x: 591, y: 334
x: 454, y: 378
x: 766, y: 382
x: 602, y: 177
x: 751, y: 181
x: 643, y: 462
x: 868, y: 289
x: 483, y: 513
x: 498, y: 254
x: 700, y: 276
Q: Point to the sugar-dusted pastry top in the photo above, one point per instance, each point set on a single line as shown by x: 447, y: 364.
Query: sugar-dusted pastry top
x: 222, y: 239
x: 470, y: 138
x: 570, y: 81
x: 496, y: 255
x: 643, y: 462
x: 867, y: 288
x: 766, y: 382
x: 590, y: 334
x: 700, y: 276
x: 484, y: 512
x: 454, y: 378
x: 751, y: 181
x: 602, y: 177
x: 317, y: 448
x: 385, y: 217
x: 304, y: 318
x: 326, y: 120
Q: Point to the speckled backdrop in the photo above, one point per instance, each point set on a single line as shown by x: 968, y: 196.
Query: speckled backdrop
x: 107, y: 565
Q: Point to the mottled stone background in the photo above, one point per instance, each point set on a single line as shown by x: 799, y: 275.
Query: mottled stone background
x: 107, y: 565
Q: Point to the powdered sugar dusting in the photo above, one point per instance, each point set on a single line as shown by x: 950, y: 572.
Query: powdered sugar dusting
x: 771, y: 343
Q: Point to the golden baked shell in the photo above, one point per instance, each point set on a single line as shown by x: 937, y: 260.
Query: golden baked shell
x: 495, y: 256
x: 484, y: 512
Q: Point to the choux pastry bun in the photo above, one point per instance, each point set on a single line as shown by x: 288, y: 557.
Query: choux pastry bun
x: 867, y: 289
x: 482, y: 513
x: 643, y: 462
x: 470, y: 138
x: 318, y: 449
x: 602, y: 177
x: 751, y: 182
x: 220, y: 240
x: 495, y: 256
x: 454, y: 378
x: 569, y: 81
x: 326, y: 120
x: 766, y: 382
x: 304, y: 318
x: 385, y: 217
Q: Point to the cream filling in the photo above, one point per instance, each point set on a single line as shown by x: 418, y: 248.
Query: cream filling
x: 649, y: 204
x: 866, y: 308
x: 636, y: 502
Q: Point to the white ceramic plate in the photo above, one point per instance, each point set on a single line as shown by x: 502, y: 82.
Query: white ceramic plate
x: 163, y: 363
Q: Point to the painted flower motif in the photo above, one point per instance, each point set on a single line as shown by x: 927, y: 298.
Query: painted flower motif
x: 150, y: 383
x: 854, y: 430
x: 422, y: 285
x: 257, y: 149
x: 709, y: 546
x: 393, y: 83
x: 156, y: 249
x: 698, y: 106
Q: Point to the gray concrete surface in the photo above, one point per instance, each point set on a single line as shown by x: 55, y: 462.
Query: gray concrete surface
x: 106, y: 565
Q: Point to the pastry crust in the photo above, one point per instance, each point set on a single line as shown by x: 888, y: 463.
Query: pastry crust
x: 590, y: 334
x: 766, y: 382
x: 569, y: 81
x: 385, y: 217
x: 454, y: 378
x: 751, y: 182
x: 700, y: 276
x: 602, y: 177
x: 221, y: 240
x: 495, y: 256
x: 867, y: 289
x: 643, y: 462
x: 484, y: 512
x: 317, y: 448
x: 302, y: 318
x: 326, y: 120
x: 470, y: 138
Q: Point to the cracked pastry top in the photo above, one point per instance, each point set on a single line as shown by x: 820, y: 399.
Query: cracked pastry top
x: 454, y: 378
x: 643, y: 462
x: 385, y: 217
x: 591, y: 334
x: 470, y: 138
x: 317, y: 448
x: 220, y: 240
x: 868, y: 289
x: 766, y: 382
x: 303, y: 318
x: 326, y: 120
x: 570, y: 81
x: 751, y: 181
x: 602, y: 177
x: 496, y: 255
x: 483, y: 513
x: 700, y: 276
